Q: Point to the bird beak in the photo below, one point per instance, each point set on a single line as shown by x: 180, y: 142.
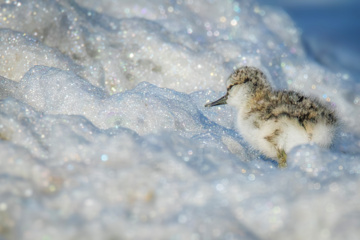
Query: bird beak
x: 220, y: 101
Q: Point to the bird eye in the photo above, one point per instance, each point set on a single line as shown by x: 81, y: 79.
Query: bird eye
x: 231, y: 86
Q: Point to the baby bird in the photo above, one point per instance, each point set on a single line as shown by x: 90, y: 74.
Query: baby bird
x: 274, y: 122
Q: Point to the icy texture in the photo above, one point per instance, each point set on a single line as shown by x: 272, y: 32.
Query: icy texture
x: 103, y: 133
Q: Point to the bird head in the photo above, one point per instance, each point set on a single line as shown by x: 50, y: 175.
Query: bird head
x: 248, y: 79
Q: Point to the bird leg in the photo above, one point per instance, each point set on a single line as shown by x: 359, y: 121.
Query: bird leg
x: 282, y: 158
x: 272, y: 139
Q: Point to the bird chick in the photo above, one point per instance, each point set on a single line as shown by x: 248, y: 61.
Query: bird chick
x: 272, y: 121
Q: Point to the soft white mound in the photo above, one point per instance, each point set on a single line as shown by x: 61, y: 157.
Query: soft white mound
x: 103, y: 133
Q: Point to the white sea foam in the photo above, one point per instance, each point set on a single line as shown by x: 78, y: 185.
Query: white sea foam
x: 104, y: 134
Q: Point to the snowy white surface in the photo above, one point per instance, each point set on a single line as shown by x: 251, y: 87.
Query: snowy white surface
x: 103, y: 133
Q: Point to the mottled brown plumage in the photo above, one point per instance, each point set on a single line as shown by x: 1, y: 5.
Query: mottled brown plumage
x: 291, y: 104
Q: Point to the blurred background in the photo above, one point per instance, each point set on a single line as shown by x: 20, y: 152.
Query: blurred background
x: 330, y: 30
